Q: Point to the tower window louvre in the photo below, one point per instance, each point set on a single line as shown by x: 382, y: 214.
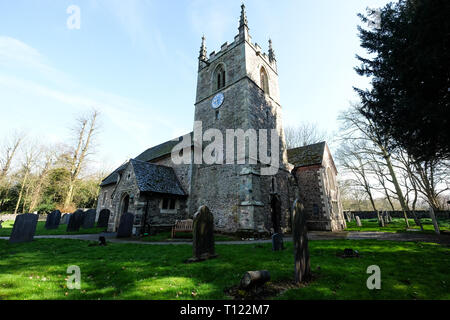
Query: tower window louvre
x: 264, y: 80
x: 220, y: 77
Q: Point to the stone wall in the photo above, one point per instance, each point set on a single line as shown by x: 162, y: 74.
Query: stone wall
x: 107, y: 192
x: 126, y: 186
x: 421, y: 214
x: 318, y: 199
x: 12, y: 217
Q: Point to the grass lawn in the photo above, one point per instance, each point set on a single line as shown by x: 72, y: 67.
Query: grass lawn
x: 131, y: 271
x: 398, y: 225
x: 6, y: 230
x: 187, y: 236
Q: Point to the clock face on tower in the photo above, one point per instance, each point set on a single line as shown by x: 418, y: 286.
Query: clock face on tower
x: 217, y: 101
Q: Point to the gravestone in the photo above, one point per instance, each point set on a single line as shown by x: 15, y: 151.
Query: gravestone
x: 53, y: 220
x: 277, y: 237
x: 358, y: 221
x: 386, y: 217
x: 126, y: 225
x: 277, y: 242
x: 203, y: 235
x: 347, y: 215
x: 380, y: 219
x: 300, y: 237
x: 75, y: 221
x: 103, y: 218
x: 89, y: 219
x: 275, y: 205
x: 24, y: 228
x: 65, y: 218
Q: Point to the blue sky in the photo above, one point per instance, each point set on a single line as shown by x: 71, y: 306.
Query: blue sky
x: 136, y: 62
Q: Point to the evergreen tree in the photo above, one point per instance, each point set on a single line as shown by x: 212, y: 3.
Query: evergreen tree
x: 409, y: 47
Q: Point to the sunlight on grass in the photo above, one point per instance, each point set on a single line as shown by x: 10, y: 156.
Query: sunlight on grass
x: 37, y: 270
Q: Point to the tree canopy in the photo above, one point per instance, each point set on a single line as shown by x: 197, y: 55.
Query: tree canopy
x: 409, y: 66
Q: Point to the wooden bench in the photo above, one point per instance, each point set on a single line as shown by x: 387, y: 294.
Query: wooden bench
x: 182, y: 226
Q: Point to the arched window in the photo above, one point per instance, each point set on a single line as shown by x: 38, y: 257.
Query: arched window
x: 219, y: 78
x: 264, y: 80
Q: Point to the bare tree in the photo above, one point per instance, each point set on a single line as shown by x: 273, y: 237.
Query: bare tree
x: 47, y: 159
x: 356, y: 128
x: 353, y: 162
x: 85, y: 132
x: 30, y: 154
x: 304, y: 134
x: 9, y: 151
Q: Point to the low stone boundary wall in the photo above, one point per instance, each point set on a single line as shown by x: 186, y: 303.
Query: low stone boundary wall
x: 12, y: 217
x: 399, y: 214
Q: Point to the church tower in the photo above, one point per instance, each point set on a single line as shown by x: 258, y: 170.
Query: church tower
x: 237, y: 88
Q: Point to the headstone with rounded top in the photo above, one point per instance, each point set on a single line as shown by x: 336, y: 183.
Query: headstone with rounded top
x: 75, y: 221
x: 126, y: 225
x: 53, y: 220
x: 89, y: 219
x: 24, y: 228
x: 358, y: 221
x: 103, y: 218
x: 65, y: 218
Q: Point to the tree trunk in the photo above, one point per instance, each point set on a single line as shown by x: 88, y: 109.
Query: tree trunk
x: 253, y: 279
x: 21, y: 192
x: 435, y: 224
x: 398, y: 190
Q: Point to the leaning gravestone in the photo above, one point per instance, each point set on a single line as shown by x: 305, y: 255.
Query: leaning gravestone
x: 24, y: 228
x: 103, y: 218
x: 358, y: 221
x: 53, y: 220
x: 203, y: 235
x: 125, y: 226
x: 75, y: 221
x: 300, y: 237
x: 89, y: 219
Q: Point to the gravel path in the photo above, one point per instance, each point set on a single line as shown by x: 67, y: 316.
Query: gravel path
x: 313, y: 235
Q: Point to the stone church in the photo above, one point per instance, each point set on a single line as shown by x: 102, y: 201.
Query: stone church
x: 237, y: 88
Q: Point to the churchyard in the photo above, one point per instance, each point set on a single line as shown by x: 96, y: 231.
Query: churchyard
x: 38, y: 270
x: 291, y: 268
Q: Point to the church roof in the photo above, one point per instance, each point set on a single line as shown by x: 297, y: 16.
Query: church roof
x: 156, y: 178
x: 150, y: 154
x: 159, y: 150
x: 307, y: 155
x: 114, y: 176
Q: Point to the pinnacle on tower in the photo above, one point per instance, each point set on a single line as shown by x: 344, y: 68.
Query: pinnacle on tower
x: 243, y: 25
x: 243, y: 21
x: 271, y: 52
x: 203, y: 52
